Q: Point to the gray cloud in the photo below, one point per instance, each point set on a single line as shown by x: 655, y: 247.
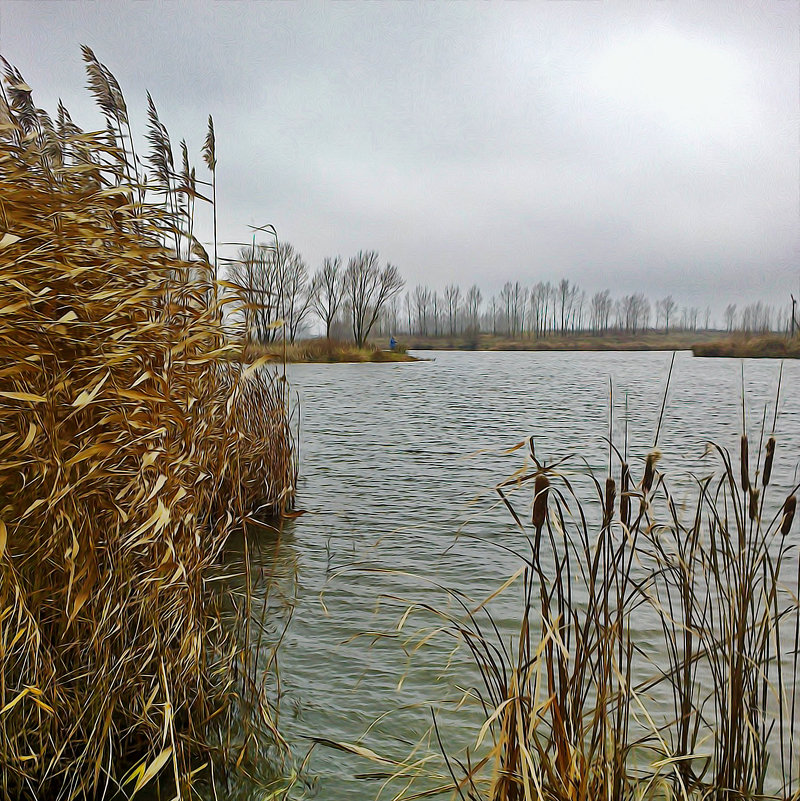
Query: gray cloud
x: 639, y: 146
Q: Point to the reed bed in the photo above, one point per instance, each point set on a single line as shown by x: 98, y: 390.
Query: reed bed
x: 656, y: 655
x: 130, y: 448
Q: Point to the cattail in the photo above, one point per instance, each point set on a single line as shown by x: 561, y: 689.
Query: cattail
x: 649, y: 471
x: 624, y: 498
x: 745, y: 460
x: 611, y: 495
x: 789, y: 505
x: 768, y: 461
x: 754, y: 493
x: 541, y: 489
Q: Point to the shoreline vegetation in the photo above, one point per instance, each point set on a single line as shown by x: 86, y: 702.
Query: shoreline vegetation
x: 703, y: 344
x: 129, y: 452
x: 323, y: 351
x: 760, y: 347
x: 584, y: 342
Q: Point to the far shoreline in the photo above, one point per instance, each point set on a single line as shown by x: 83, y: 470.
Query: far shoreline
x: 700, y: 344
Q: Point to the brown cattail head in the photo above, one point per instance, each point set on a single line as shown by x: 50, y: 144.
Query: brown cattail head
x: 624, y: 498
x: 611, y: 496
x: 789, y: 506
x: 649, y: 471
x: 745, y: 464
x: 768, y: 461
x: 541, y: 489
x: 754, y: 493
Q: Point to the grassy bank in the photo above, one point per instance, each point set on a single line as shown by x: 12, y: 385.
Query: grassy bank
x: 128, y: 453
x: 324, y: 351
x: 763, y: 347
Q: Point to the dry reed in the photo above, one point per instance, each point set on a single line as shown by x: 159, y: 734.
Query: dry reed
x: 129, y: 449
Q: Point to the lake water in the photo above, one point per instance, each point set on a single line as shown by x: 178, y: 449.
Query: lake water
x: 397, y: 468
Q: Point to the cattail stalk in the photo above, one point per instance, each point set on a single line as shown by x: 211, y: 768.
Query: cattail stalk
x: 624, y: 498
x: 744, y: 459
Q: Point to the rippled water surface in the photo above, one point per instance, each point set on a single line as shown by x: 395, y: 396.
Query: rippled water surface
x: 398, y: 459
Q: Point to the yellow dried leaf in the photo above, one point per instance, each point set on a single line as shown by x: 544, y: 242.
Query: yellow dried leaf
x: 37, y: 503
x: 24, y: 396
x: 14, y: 701
x: 160, y: 481
x: 28, y: 439
x: 14, y: 307
x: 260, y: 362
x: 153, y: 769
x: 87, y: 453
x: 87, y: 397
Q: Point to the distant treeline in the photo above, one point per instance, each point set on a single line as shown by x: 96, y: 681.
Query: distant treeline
x: 562, y: 309
x: 359, y: 299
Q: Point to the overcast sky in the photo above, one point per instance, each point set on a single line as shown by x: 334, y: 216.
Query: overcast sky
x: 639, y: 146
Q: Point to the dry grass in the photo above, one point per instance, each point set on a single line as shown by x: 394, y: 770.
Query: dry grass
x: 769, y: 346
x: 128, y: 452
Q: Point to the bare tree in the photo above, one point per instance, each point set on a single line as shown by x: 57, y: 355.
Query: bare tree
x: 328, y: 291
x: 577, y: 310
x: 730, y: 317
x: 689, y: 318
x: 472, y: 309
x: 391, y: 315
x: 408, y: 305
x: 664, y: 309
x: 451, y: 296
x: 634, y: 313
x: 492, y: 312
x: 368, y: 289
x: 601, y: 311
x: 564, y: 300
x: 519, y: 299
x: 436, y: 310
x: 254, y: 275
x: 540, y: 301
x: 294, y: 289
x: 422, y: 305
x: 504, y: 308
x: 273, y: 282
x: 757, y: 317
